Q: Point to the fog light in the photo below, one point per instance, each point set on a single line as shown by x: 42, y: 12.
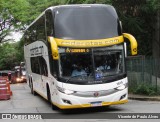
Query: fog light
x: 123, y: 96
x: 66, y: 101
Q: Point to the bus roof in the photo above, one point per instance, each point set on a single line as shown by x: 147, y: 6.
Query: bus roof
x: 78, y: 5
x: 54, y: 8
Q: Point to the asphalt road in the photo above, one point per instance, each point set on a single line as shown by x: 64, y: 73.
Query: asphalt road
x: 23, y: 101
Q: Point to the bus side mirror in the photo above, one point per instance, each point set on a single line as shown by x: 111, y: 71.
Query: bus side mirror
x: 54, y: 48
x: 133, y: 43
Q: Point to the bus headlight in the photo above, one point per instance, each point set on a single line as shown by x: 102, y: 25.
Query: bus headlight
x: 121, y: 87
x: 65, y: 91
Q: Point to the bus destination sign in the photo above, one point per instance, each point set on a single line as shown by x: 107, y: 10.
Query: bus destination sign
x: 72, y: 50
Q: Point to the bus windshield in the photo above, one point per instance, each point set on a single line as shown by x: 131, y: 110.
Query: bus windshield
x: 86, y: 23
x: 90, y: 65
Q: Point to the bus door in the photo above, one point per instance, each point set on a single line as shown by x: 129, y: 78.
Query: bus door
x: 36, y: 77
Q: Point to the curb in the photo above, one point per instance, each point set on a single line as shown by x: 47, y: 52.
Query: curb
x: 144, y: 98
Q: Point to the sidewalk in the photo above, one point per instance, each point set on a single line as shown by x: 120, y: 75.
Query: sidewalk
x: 143, y: 97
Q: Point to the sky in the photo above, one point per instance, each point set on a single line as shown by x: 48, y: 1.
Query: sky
x: 16, y: 36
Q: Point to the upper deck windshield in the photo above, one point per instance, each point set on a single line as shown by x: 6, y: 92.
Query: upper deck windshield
x: 83, y: 23
x: 90, y: 66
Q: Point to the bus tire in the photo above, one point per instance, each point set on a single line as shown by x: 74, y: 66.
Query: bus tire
x: 29, y: 82
x: 32, y: 90
x: 31, y: 86
x: 49, y: 99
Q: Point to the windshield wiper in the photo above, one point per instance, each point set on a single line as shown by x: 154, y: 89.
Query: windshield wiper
x: 114, y: 74
x: 109, y: 75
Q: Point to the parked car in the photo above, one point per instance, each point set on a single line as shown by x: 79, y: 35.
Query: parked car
x: 5, y: 75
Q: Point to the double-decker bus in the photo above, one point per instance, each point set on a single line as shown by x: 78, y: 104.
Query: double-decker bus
x: 75, y: 56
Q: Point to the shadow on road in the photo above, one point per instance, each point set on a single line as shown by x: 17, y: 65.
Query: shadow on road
x: 105, y: 109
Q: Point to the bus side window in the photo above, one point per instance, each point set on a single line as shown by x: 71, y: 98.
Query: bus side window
x: 35, y: 65
x: 43, y: 66
x: 32, y: 33
x: 49, y: 23
x: 50, y: 32
x: 40, y: 28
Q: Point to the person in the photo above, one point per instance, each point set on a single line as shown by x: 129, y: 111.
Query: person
x: 101, y: 68
x: 107, y: 64
x: 78, y: 71
x: 104, y: 66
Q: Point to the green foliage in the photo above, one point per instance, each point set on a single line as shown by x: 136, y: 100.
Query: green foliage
x: 36, y: 7
x: 146, y: 89
x: 18, y: 14
x: 11, y: 55
x: 12, y: 17
x: 139, y: 18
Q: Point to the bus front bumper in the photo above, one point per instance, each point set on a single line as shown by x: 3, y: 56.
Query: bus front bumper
x: 89, y: 105
x: 71, y: 102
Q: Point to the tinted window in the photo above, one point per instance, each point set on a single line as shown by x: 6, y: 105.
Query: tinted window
x: 40, y: 28
x: 39, y: 65
x: 3, y: 74
x: 36, y: 31
x: 49, y: 23
x: 50, y: 32
x: 43, y: 65
x: 35, y: 65
x: 86, y: 23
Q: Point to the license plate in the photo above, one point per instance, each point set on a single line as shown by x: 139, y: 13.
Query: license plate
x: 94, y: 104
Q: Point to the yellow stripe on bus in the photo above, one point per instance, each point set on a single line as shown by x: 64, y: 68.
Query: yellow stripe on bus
x: 89, y: 43
x: 88, y: 105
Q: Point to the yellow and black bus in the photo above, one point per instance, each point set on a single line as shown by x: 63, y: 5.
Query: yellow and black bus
x: 75, y: 56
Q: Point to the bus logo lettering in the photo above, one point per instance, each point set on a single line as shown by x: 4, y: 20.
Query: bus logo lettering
x: 89, y: 43
x: 37, y: 51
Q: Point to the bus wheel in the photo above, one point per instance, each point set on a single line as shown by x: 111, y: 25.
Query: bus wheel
x: 49, y: 99
x: 32, y: 91
x: 54, y: 107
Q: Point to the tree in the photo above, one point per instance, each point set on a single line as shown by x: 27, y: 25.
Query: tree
x: 138, y: 18
x: 12, y: 17
x: 16, y: 15
x: 10, y: 55
x: 6, y: 22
